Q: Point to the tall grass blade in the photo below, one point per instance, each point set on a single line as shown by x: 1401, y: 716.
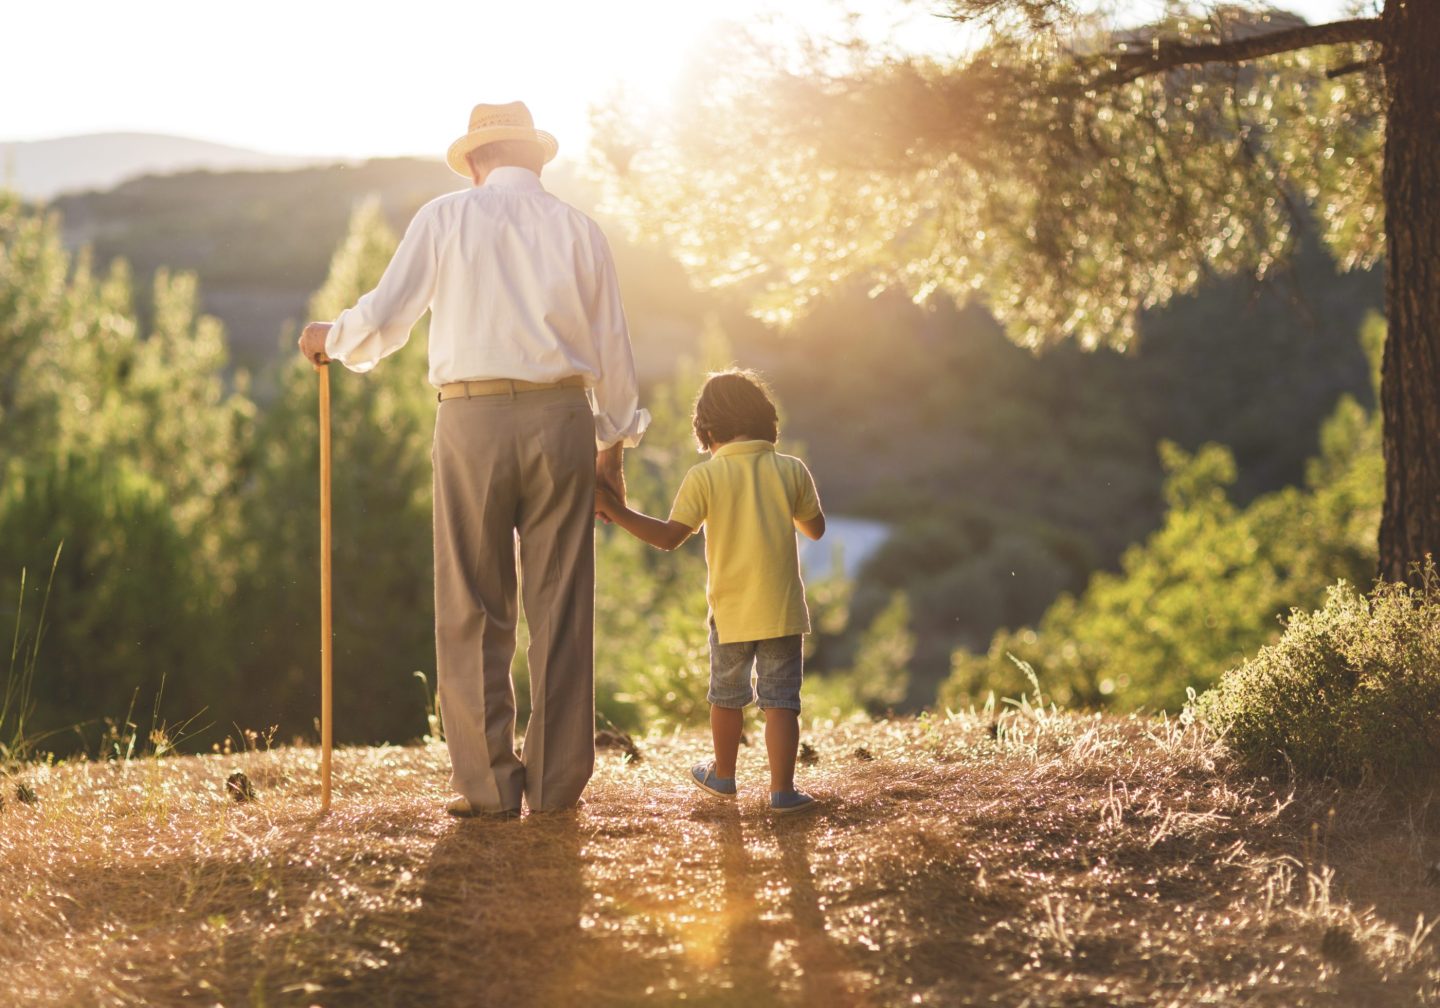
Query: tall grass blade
x: 18, y: 702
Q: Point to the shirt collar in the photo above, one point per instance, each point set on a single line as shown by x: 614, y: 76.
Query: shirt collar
x: 744, y: 448
x: 514, y: 177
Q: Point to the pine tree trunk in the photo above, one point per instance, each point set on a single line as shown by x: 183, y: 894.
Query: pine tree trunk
x: 1410, y: 382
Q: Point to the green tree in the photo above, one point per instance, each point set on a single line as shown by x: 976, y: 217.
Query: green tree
x: 120, y: 439
x: 381, y: 425
x: 1072, y: 173
x: 1205, y: 589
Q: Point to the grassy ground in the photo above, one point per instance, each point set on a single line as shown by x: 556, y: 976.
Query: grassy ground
x: 1063, y: 861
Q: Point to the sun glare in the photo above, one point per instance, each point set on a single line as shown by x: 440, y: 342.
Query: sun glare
x: 378, y: 81
x: 381, y: 81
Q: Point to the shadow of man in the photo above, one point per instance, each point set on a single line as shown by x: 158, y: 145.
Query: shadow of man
x: 498, y: 920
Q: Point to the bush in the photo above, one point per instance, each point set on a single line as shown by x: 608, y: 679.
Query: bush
x: 1349, y: 691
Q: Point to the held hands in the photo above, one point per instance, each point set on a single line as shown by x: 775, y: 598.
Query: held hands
x: 610, y: 481
x: 610, y: 470
x: 607, y: 505
x: 665, y: 535
x: 312, y: 343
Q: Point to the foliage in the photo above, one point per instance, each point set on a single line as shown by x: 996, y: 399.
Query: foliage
x: 1010, y: 477
x: 132, y: 596
x: 1014, y: 172
x: 17, y: 703
x: 924, y: 417
x: 1349, y: 691
x: 381, y: 491
x: 879, y: 679
x: 1030, y: 173
x: 1203, y: 590
x: 120, y: 439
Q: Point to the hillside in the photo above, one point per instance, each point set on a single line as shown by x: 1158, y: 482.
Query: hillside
x: 261, y: 242
x: 43, y: 169
x: 1050, y: 859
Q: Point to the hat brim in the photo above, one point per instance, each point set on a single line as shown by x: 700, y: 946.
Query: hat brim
x: 455, y: 156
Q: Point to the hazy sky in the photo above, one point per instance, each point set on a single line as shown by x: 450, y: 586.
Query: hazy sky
x: 366, y: 78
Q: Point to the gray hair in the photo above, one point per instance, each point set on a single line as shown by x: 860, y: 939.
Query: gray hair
x: 520, y: 153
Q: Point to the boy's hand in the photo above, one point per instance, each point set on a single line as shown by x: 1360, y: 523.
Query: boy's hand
x: 665, y: 535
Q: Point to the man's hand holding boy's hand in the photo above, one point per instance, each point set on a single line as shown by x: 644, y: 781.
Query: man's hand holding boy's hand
x: 610, y: 469
x: 665, y: 535
x: 607, y: 505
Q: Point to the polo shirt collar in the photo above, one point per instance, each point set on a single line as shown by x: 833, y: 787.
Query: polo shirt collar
x: 744, y: 448
x: 514, y: 177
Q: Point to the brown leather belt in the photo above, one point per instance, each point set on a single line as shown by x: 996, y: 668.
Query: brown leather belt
x: 502, y: 386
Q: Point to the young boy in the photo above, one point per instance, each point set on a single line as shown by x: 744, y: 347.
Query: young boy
x: 750, y: 499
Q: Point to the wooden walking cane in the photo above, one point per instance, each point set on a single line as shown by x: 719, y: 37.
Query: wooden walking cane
x: 326, y: 658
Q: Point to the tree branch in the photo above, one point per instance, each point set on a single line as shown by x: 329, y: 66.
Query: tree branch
x: 1163, y: 55
x: 1350, y: 68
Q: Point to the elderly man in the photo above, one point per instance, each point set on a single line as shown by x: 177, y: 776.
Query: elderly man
x: 537, y: 399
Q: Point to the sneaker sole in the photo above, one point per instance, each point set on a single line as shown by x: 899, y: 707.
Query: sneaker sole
x: 795, y: 809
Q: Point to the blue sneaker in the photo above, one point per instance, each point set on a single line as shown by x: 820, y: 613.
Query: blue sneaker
x: 703, y: 774
x: 786, y: 802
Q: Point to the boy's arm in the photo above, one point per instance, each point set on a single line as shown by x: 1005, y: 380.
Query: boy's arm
x: 812, y: 528
x: 665, y: 535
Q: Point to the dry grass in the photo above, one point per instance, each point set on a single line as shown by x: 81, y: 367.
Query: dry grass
x: 1066, y: 861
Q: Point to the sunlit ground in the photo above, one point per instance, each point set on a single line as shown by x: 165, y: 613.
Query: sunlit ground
x: 1067, y: 861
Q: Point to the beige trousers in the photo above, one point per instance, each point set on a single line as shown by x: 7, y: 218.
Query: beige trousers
x: 518, y: 466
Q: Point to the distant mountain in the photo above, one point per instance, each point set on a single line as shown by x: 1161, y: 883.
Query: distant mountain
x: 43, y: 169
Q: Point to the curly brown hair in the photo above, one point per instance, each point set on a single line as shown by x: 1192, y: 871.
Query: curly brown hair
x: 735, y: 404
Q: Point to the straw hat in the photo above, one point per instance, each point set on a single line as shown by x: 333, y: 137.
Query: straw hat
x: 489, y: 123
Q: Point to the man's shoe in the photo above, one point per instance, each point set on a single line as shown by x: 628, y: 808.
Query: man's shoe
x: 462, y: 809
x: 703, y: 774
x: 787, y: 802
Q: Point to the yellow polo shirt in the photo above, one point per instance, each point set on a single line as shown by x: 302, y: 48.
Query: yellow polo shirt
x: 748, y: 496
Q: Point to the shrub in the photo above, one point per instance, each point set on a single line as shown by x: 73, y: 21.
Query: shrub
x: 1349, y: 691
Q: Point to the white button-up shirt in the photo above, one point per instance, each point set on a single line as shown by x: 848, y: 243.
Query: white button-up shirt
x: 520, y: 285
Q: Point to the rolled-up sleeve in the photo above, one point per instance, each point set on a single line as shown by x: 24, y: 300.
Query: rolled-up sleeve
x: 615, y: 396
x: 380, y: 322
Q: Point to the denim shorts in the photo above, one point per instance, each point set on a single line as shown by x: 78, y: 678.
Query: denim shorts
x: 776, y: 665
